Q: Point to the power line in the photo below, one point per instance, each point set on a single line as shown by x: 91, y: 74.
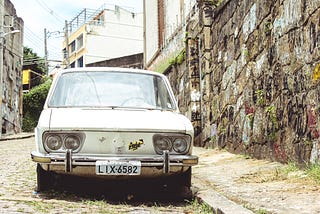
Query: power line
x: 50, y: 11
x: 33, y: 38
x: 32, y: 60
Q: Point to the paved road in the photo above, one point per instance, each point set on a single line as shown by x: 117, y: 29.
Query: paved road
x: 18, y: 181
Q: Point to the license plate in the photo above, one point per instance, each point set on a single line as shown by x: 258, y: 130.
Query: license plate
x: 118, y: 167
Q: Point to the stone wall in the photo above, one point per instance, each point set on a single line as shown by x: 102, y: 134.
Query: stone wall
x: 260, y: 78
x: 259, y: 72
x: 11, y: 102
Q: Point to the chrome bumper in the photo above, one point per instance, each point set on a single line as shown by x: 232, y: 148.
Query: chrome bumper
x: 70, y: 160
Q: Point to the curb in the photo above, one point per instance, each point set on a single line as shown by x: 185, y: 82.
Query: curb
x: 217, y: 201
x: 17, y: 136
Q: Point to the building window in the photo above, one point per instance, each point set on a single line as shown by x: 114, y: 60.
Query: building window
x: 73, y: 46
x: 80, y: 62
x: 73, y: 65
x: 64, y: 52
x: 80, y: 42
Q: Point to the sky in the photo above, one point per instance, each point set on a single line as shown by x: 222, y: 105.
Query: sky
x: 51, y: 14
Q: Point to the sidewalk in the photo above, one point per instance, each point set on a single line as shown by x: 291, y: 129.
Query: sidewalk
x: 236, y: 184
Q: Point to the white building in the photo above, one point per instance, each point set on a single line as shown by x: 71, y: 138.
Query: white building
x: 164, y: 26
x: 102, y: 34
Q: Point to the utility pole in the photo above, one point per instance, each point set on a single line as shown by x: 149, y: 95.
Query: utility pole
x: 1, y: 61
x: 45, y: 52
x: 66, y: 34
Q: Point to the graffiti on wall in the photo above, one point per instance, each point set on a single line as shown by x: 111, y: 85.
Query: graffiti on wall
x: 194, y: 77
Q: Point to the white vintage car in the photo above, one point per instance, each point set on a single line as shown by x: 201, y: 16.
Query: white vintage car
x: 112, y: 123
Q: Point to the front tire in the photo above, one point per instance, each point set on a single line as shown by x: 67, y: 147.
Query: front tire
x: 43, y: 179
x: 185, y: 181
x: 186, y: 178
x: 181, y: 184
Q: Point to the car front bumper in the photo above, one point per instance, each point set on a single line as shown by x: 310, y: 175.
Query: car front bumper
x: 77, y: 164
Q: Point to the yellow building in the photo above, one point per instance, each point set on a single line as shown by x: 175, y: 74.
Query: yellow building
x: 26, y: 79
x: 30, y: 79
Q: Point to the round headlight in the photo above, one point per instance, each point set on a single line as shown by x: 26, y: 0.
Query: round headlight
x: 180, y: 145
x: 72, y: 142
x: 163, y: 144
x: 54, y: 142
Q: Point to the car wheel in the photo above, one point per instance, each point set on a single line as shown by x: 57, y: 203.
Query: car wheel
x: 185, y: 178
x: 186, y: 184
x: 181, y: 180
x: 181, y: 184
x: 43, y: 179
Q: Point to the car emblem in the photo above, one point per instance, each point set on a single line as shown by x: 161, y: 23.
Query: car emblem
x: 118, y: 146
x: 102, y: 139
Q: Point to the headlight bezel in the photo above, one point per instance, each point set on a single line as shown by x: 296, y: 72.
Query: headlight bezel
x: 172, y: 137
x: 80, y: 136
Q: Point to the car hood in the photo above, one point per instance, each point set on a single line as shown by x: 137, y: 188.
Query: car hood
x: 117, y: 120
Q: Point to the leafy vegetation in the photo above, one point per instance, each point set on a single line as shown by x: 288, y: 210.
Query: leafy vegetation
x: 33, y: 102
x: 200, y: 207
x: 178, y: 60
x: 313, y: 171
x: 170, y: 61
x: 262, y: 211
x: 272, y: 115
x: 33, y: 61
x: 260, y: 97
x: 290, y: 167
x: 181, y: 57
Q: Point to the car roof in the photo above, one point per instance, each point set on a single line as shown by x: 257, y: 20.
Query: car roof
x: 109, y: 69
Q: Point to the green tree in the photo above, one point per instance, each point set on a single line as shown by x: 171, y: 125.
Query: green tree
x: 34, y: 100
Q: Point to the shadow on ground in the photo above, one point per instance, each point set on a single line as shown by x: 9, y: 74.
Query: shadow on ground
x: 123, y: 191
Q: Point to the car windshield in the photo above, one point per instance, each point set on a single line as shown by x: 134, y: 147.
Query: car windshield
x: 111, y: 89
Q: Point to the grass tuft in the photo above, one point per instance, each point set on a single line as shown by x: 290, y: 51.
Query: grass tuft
x: 313, y: 171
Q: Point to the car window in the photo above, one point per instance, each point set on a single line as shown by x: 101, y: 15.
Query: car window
x: 111, y: 89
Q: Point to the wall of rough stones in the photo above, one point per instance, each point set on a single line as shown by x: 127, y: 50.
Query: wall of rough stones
x: 258, y: 78
x: 11, y: 102
x: 260, y: 71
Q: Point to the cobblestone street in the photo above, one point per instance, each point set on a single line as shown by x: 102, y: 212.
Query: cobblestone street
x: 18, y: 181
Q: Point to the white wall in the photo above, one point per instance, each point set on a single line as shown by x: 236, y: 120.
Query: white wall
x: 122, y: 35
x: 172, y: 17
x: 151, y: 28
x: 176, y: 13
